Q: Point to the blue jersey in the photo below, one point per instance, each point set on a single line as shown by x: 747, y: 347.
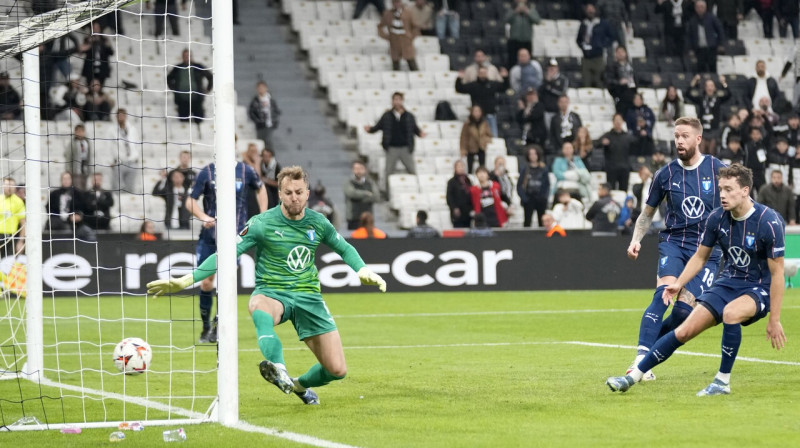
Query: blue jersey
x: 691, y: 193
x: 746, y: 243
x: 204, y: 185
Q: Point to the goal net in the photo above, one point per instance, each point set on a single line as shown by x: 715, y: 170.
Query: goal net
x: 115, y: 113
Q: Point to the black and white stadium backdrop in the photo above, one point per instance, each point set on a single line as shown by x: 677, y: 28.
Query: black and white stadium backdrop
x: 510, y: 261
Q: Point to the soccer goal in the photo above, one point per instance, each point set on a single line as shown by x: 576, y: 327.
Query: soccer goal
x: 119, y: 102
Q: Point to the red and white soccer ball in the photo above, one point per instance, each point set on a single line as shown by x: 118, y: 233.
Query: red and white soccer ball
x: 132, y: 356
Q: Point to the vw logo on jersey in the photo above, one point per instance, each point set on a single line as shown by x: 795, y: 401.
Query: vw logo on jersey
x: 299, y: 259
x: 693, y: 207
x: 750, y: 240
x: 739, y: 257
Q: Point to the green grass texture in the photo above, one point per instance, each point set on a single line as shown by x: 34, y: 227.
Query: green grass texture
x: 488, y: 369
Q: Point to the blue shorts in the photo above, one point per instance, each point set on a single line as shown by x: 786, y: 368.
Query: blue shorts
x: 673, y: 258
x: 204, y: 249
x: 726, y: 291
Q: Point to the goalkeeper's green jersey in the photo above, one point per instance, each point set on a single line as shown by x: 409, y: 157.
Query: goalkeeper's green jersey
x: 286, y: 249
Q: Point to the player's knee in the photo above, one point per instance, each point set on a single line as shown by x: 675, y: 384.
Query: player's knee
x: 683, y: 333
x: 338, y: 371
x: 207, y: 284
x: 731, y: 316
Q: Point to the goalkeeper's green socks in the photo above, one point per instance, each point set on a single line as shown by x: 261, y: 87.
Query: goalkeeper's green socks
x: 268, y: 341
x: 317, y: 376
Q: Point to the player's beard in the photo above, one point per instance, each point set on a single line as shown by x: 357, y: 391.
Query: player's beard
x: 688, y: 153
x: 295, y: 209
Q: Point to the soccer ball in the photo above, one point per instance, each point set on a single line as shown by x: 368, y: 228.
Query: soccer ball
x: 132, y: 356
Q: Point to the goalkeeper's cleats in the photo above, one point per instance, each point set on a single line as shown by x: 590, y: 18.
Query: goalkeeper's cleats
x: 368, y: 277
x: 648, y: 376
x: 276, y: 375
x: 620, y: 383
x: 308, y: 396
x: 212, y: 335
x: 204, y: 337
x: 717, y: 387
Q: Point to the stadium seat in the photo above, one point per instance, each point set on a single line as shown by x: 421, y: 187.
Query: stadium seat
x: 357, y: 63
x: 545, y: 30
x: 330, y: 10
x: 381, y: 62
x: 445, y: 80
x: 364, y: 28
x: 426, y: 45
x: 346, y: 45
x: 371, y: 45
x: 568, y: 29
x: 592, y: 95
x: 436, y: 63
x: 368, y: 80
x: 338, y: 28
x: 422, y: 80
x: 482, y: 11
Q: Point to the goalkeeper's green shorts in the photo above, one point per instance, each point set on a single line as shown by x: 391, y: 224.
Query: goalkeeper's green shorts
x: 307, y: 311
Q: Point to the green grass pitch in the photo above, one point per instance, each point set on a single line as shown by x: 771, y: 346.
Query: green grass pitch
x: 436, y: 370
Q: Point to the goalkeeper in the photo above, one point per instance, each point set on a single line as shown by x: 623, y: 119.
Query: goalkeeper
x: 287, y: 286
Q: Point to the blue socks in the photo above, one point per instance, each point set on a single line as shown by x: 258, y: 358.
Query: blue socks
x: 651, y: 321
x: 663, y: 349
x: 731, y: 340
x: 206, y: 301
x: 680, y: 311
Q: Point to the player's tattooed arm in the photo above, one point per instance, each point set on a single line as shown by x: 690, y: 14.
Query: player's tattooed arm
x: 643, y: 223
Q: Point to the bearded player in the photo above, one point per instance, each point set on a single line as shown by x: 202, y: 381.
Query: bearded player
x: 287, y: 285
x: 689, y: 187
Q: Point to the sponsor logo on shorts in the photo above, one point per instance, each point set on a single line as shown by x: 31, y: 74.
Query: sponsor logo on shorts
x: 299, y: 259
x: 664, y: 261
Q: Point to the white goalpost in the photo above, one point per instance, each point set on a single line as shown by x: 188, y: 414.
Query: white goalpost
x: 85, y: 286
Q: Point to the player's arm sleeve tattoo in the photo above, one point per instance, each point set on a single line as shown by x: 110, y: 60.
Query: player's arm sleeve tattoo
x: 643, y: 223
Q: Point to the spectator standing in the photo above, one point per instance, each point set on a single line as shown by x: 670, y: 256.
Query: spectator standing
x: 787, y: 12
x: 584, y: 148
x: 475, y: 137
x: 10, y: 101
x: 594, y: 36
x: 399, y: 127
x: 762, y: 85
x: 658, y: 160
x: 97, y: 203
x: 568, y: 211
x: 705, y: 35
x: 422, y: 16
x: 766, y: 10
x: 571, y: 173
x: 627, y: 216
x: 640, y: 120
x: 127, y: 161
x: 709, y: 103
x: 97, y: 52
x: 671, y: 106
x: 253, y: 159
x: 167, y: 10
x: 531, y: 118
x: 268, y: 170
x: 362, y: 4
x: 730, y: 13
x: 533, y: 187
x: 65, y: 206
x: 500, y: 175
x: 447, y: 18
x: 147, y: 232
x: 779, y: 197
x: 615, y: 12
x: 564, y: 125
x: 526, y: 74
x: 79, y: 157
x: 264, y: 112
x: 675, y: 14
x: 620, y: 81
x: 779, y: 157
x: 98, y: 103
x: 458, y: 196
x: 398, y: 28
x: 792, y: 131
x: 520, y: 23
x: 604, y: 213
x: 320, y: 203
x: 551, y: 226
x: 422, y: 229
x: 191, y: 82
x: 367, y: 229
x: 756, y: 157
x: 483, y: 93
x: 59, y: 51
x: 487, y: 199
x: 480, y: 60
x: 732, y: 151
x: 12, y: 219
x: 361, y: 194
x: 553, y: 87
x: 67, y: 101
x: 184, y: 166
x: 617, y: 147
x: 171, y: 189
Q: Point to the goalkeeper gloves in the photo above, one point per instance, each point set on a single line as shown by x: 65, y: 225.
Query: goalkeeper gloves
x: 169, y: 285
x: 368, y: 277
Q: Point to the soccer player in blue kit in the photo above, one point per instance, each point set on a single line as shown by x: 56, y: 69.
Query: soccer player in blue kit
x: 750, y: 286
x: 689, y: 187
x: 204, y: 185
